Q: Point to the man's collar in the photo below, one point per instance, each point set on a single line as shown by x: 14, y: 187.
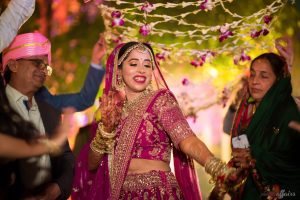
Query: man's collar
x: 15, y: 95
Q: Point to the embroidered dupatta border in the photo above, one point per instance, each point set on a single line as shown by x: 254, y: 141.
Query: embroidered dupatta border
x: 125, y: 145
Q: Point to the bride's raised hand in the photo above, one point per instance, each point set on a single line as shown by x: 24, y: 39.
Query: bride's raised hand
x: 111, y: 108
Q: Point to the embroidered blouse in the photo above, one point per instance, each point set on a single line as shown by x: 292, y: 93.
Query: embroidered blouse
x: 163, y: 125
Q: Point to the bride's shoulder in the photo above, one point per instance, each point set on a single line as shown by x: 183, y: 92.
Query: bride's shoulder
x: 163, y: 92
x: 164, y: 98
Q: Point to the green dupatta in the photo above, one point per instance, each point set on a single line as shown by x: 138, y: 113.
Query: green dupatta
x: 275, y: 146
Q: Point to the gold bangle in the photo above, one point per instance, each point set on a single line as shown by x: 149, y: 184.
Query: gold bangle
x: 95, y: 148
x: 215, y: 167
x: 104, y: 133
x: 103, y: 142
x: 53, y: 148
x: 101, y: 145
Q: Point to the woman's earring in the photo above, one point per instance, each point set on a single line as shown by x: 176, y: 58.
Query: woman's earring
x: 149, y: 87
x: 120, y: 82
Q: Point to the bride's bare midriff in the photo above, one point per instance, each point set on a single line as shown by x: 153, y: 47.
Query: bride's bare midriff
x: 138, y: 166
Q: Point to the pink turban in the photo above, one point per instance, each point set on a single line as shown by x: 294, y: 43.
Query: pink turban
x: 27, y: 45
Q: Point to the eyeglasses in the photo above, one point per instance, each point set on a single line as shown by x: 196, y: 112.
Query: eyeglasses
x: 39, y: 63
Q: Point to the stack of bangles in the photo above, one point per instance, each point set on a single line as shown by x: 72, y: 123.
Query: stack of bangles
x: 103, y: 142
x: 220, y: 172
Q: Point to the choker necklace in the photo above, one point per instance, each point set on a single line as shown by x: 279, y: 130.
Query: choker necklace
x: 129, y: 106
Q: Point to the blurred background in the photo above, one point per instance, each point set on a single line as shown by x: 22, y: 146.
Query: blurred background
x: 203, y: 47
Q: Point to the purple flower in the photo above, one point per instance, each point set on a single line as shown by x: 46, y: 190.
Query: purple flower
x: 206, y: 5
x: 268, y: 19
x: 147, y: 7
x: 255, y: 33
x: 145, y: 29
x: 160, y: 56
x: 225, y: 35
x: 203, y: 57
x: 225, y: 32
x: 116, y: 14
x: 197, y: 62
x: 265, y: 32
x: 117, y: 22
x: 241, y: 58
x: 185, y: 81
x: 244, y: 57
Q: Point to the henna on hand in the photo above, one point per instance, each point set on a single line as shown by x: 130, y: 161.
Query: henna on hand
x: 241, y: 158
x: 111, y: 109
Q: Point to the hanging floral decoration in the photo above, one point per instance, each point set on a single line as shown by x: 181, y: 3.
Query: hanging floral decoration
x: 243, y: 57
x: 145, y: 22
x: 177, y: 32
x: 225, y: 32
x: 145, y: 29
x: 116, y: 19
x: 147, y: 7
x: 206, y: 5
x: 185, y: 81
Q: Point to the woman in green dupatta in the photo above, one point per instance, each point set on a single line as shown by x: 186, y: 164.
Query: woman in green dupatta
x: 271, y: 163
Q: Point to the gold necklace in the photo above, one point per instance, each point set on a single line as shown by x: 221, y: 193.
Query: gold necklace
x: 128, y: 106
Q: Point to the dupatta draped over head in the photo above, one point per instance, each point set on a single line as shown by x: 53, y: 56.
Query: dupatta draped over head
x: 107, y: 184
x: 274, y: 146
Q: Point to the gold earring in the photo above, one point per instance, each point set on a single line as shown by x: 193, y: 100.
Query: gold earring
x: 120, y: 82
x: 149, y: 87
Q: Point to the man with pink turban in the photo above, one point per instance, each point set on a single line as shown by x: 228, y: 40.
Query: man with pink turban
x: 81, y: 100
x: 26, y: 64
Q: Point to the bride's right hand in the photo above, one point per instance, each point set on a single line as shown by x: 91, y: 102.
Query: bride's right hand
x: 111, y: 109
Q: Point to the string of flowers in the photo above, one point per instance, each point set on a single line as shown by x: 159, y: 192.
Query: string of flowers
x: 126, y: 21
x: 146, y: 23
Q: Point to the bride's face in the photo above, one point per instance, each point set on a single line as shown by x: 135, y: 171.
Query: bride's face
x: 137, y: 71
